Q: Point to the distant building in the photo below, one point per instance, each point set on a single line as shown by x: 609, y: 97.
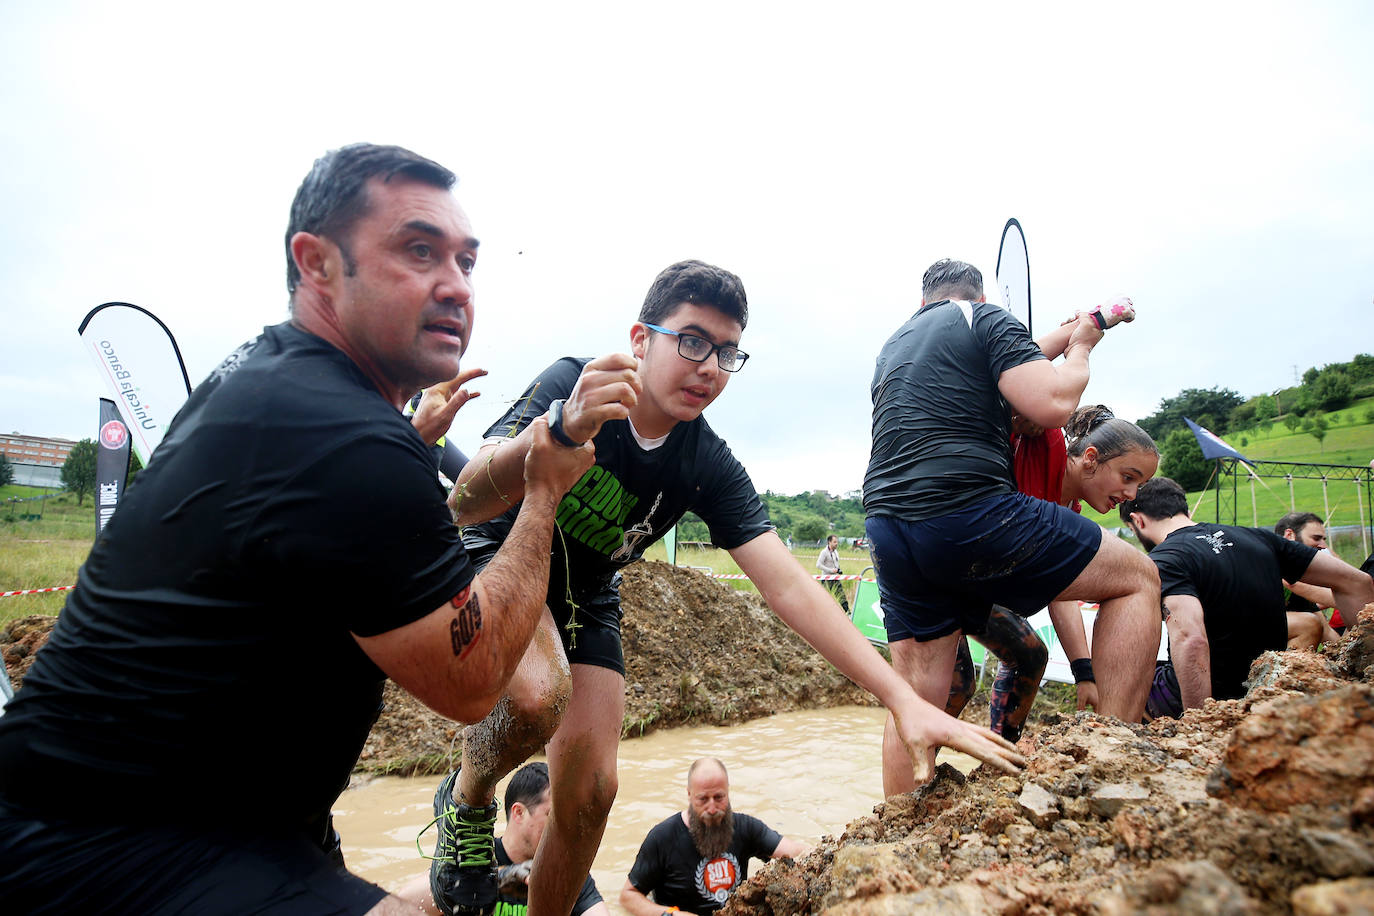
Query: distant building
x: 37, y: 461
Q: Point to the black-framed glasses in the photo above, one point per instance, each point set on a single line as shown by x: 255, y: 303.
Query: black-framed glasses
x: 697, y: 349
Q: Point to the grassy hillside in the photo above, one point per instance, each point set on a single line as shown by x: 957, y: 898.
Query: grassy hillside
x: 1349, y: 441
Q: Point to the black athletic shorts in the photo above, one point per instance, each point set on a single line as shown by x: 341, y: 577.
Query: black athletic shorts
x: 588, y: 619
x: 60, y: 866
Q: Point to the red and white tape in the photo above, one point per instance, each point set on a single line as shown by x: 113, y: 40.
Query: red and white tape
x: 37, y: 591
x: 823, y: 578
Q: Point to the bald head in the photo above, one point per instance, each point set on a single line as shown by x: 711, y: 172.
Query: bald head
x: 708, y: 768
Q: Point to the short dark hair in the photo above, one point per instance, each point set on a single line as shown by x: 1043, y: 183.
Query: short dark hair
x: 334, y: 195
x: 949, y: 279
x: 698, y: 283
x: 1297, y: 521
x: 527, y: 786
x: 1109, y: 434
x: 1156, y: 499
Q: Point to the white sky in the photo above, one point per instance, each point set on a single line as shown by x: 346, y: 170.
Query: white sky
x: 1213, y: 161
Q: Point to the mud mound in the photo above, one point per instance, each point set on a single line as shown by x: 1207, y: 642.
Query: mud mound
x: 1260, y: 805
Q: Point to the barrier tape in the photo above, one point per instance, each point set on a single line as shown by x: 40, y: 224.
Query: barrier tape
x: 37, y: 591
x: 822, y: 578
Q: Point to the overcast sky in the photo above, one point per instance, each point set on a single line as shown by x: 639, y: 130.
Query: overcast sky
x: 1213, y: 161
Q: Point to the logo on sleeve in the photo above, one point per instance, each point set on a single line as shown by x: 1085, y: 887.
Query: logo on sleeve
x: 717, y: 877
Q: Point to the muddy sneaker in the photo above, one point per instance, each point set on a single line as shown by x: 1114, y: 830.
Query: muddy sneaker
x: 462, y: 871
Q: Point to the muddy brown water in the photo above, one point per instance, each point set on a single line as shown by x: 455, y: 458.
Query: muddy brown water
x: 806, y: 774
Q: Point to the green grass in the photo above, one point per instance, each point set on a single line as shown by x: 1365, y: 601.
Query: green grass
x: 1349, y: 441
x: 41, y: 552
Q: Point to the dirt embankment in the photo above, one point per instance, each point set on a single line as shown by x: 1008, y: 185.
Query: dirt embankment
x: 1253, y: 806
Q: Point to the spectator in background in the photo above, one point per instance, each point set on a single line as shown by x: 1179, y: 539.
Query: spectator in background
x: 829, y: 564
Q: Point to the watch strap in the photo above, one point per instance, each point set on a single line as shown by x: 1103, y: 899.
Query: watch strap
x: 556, y: 425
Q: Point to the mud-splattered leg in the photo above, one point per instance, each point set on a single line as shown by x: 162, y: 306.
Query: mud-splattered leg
x: 583, y: 783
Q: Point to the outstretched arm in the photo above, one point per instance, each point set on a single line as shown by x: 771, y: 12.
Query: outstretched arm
x: 1351, y: 589
x: 809, y: 610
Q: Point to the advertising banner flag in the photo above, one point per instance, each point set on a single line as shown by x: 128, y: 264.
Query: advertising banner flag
x: 1013, y: 272
x: 141, y: 368
x: 111, y: 463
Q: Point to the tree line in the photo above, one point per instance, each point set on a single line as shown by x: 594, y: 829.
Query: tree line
x: 1301, y: 408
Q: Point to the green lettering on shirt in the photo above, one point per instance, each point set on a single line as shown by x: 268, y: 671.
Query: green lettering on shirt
x: 594, y: 511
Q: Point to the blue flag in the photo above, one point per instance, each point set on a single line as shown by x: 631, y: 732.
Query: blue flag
x: 1211, y: 444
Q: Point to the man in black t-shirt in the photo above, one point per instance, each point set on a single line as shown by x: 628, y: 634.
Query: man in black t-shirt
x: 250, y: 598
x: 1306, y: 604
x: 656, y: 459
x: 1222, y: 589
x: 951, y: 535
x: 694, y: 860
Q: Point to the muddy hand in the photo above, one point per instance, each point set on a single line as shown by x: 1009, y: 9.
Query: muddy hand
x: 552, y: 466
x: 513, y: 880
x: 1087, y: 696
x: 606, y: 390
x: 934, y: 729
x: 440, y: 404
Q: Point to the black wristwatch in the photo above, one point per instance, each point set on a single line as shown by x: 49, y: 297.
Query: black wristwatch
x: 556, y: 425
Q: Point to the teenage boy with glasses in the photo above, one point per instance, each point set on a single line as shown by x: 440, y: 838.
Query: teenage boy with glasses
x: 656, y: 459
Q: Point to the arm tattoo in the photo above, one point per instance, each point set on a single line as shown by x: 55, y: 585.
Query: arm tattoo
x: 1164, y: 613
x: 466, y: 626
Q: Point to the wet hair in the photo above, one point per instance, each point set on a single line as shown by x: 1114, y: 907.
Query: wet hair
x: 527, y: 786
x: 1111, y: 436
x: 1296, y: 521
x: 697, y: 283
x: 333, y: 197
x: 1157, y: 499
x: 948, y: 279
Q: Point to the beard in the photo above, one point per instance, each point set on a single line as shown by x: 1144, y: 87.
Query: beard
x: 711, y: 838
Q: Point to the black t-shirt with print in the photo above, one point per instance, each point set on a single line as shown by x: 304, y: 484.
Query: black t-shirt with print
x: 631, y: 497
x: 1236, y: 574
x: 941, y: 430
x: 587, y: 898
x: 289, y: 507
x: 669, y: 866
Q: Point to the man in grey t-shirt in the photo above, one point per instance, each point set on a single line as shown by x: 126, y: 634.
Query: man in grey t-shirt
x: 951, y: 535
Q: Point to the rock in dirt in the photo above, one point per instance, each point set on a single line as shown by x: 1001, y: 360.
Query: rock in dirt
x: 1298, y: 750
x: 1352, y: 897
